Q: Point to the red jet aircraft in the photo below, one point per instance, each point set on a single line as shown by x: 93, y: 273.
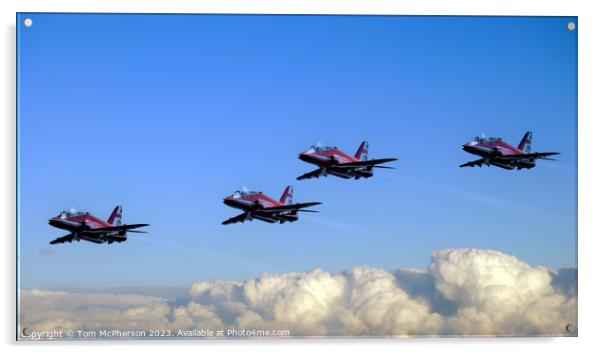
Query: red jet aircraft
x: 332, y: 161
x: 495, y: 151
x: 84, y: 226
x: 256, y: 205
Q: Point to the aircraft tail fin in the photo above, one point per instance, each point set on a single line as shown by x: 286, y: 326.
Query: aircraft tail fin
x: 525, y: 143
x: 362, y: 151
x: 287, y: 196
x: 115, y: 218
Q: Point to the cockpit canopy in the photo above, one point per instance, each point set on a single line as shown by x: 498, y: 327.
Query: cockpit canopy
x: 71, y: 213
x: 319, y: 147
x: 244, y: 192
x: 486, y: 139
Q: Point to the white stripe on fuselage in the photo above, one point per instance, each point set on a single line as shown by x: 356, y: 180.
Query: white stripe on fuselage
x: 339, y: 173
x: 264, y: 218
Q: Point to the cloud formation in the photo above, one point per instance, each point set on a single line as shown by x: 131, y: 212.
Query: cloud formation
x: 462, y: 292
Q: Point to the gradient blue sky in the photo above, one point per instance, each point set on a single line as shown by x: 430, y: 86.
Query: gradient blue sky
x: 167, y: 114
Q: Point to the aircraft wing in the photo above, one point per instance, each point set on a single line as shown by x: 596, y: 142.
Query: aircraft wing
x: 289, y: 207
x: 535, y: 155
x: 238, y: 218
x: 474, y: 163
x: 115, y: 228
x: 66, y: 238
x: 312, y: 174
x: 365, y: 163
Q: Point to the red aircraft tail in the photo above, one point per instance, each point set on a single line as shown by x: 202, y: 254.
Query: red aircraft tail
x: 115, y: 218
x: 525, y: 143
x: 362, y: 151
x: 287, y: 196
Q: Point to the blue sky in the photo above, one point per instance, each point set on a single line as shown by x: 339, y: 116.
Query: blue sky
x: 167, y: 114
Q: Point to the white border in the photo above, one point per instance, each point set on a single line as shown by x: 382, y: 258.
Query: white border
x: 422, y: 7
x: 590, y: 59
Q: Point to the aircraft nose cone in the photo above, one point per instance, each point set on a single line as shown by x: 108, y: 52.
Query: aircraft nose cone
x: 229, y: 201
x: 468, y: 145
x: 305, y: 156
x: 54, y: 221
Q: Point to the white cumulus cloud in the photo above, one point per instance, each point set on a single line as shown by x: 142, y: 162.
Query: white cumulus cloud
x: 462, y: 292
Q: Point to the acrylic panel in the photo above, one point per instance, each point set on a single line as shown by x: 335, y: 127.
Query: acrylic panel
x: 295, y: 176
